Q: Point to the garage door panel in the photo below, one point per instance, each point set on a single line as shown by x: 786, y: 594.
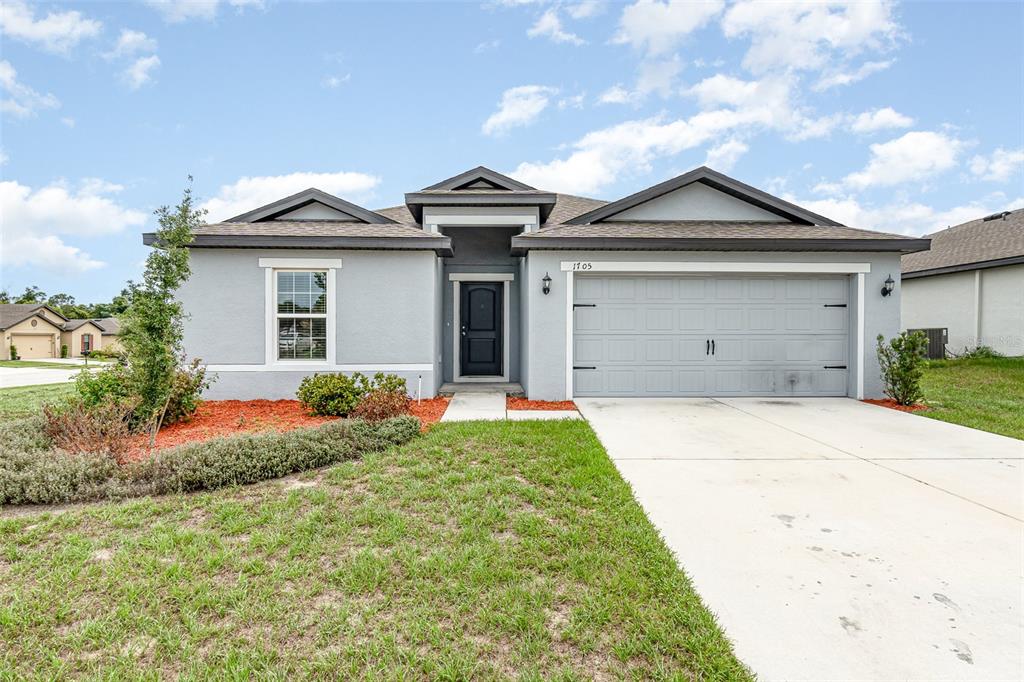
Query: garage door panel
x: 648, y: 335
x: 33, y: 346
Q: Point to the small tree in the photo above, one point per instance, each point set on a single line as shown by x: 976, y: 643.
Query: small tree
x: 901, y: 361
x: 151, y: 327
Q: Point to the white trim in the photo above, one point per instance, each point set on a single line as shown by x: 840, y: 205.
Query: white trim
x: 270, y: 316
x: 977, y: 308
x: 301, y: 263
x: 714, y: 266
x: 860, y: 335
x: 569, y: 320
x: 313, y: 367
x: 506, y: 352
x: 481, y: 276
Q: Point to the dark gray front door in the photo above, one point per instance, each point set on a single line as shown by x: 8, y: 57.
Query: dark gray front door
x: 481, y: 316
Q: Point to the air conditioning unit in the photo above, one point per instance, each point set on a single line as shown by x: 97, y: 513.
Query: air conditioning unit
x: 938, y: 337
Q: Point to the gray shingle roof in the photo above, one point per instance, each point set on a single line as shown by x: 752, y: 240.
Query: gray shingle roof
x: 313, y: 228
x: 971, y: 243
x: 13, y: 313
x: 110, y: 325
x: 75, y: 324
x: 701, y: 229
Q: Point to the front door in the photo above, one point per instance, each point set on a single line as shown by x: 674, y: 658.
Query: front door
x: 480, y: 313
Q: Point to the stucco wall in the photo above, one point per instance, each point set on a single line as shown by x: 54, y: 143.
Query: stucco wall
x: 547, y: 314
x: 42, y: 328
x: 73, y: 339
x: 949, y: 301
x: 385, y: 309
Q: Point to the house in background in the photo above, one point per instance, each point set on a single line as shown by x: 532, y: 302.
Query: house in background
x: 698, y: 286
x: 38, y: 331
x: 971, y: 283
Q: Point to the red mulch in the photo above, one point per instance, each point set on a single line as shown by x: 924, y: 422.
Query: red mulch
x: 524, y: 404
x: 893, y: 405
x: 216, y: 418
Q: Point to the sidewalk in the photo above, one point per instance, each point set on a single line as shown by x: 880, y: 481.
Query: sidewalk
x: 490, y: 406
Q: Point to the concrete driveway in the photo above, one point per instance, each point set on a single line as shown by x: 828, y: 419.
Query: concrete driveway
x: 835, y: 539
x: 32, y: 376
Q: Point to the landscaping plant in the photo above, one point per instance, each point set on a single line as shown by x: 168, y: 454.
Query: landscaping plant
x: 103, y: 429
x: 14, y: 352
x: 902, y: 362
x: 337, y: 395
x: 380, y: 404
x: 63, y: 350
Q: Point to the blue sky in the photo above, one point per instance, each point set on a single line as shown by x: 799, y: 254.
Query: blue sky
x: 898, y: 117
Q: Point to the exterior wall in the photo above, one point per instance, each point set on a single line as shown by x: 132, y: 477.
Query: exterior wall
x: 696, y: 202
x: 111, y: 342
x: 950, y: 301
x: 480, y: 249
x: 385, y: 313
x: 42, y: 328
x: 52, y: 317
x: 547, y: 321
x: 73, y: 339
x: 315, y: 211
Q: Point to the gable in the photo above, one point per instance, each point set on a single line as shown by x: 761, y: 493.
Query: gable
x: 315, y: 211
x: 696, y: 201
x: 479, y: 178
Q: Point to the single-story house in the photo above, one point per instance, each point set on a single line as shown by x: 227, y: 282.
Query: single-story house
x: 37, y: 332
x: 698, y: 286
x: 970, y: 283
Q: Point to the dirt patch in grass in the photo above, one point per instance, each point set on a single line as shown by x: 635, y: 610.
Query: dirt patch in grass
x: 524, y: 404
x: 429, y: 411
x: 893, y: 405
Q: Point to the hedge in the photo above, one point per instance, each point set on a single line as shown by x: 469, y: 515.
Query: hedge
x: 30, y: 473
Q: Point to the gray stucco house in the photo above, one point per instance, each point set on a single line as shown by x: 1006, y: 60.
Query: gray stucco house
x: 698, y: 286
x: 971, y: 283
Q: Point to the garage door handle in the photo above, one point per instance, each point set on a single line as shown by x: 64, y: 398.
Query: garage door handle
x: 712, y: 346
x: 579, y: 367
x: 835, y: 305
x: 583, y: 305
x: 835, y: 366
x: 707, y: 347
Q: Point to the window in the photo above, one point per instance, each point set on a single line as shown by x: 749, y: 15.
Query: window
x: 86, y: 343
x: 301, y: 314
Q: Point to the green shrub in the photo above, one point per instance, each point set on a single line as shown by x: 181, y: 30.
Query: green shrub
x: 105, y: 354
x: 109, y: 384
x: 902, y: 361
x: 337, y: 395
x: 14, y: 352
x: 189, y: 384
x: 63, y: 350
x: 380, y: 404
x: 33, y: 474
x: 980, y: 353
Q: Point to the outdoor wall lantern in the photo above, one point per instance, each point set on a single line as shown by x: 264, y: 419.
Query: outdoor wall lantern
x: 547, y: 284
x: 888, y: 285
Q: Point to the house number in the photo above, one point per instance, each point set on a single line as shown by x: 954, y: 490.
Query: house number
x: 582, y: 266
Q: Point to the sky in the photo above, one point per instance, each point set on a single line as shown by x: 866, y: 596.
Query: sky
x: 900, y: 117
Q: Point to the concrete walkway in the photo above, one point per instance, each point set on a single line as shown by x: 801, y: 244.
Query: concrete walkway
x: 489, y: 405
x: 834, y: 539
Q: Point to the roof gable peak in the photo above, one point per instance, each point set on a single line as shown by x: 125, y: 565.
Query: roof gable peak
x: 305, y: 198
x: 480, y: 177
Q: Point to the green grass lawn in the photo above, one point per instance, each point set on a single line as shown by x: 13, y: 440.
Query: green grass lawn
x: 23, y: 401
x: 986, y: 394
x: 35, y: 363
x: 480, y: 550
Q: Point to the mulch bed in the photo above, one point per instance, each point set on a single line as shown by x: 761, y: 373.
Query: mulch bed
x: 893, y: 405
x: 216, y: 418
x: 524, y: 404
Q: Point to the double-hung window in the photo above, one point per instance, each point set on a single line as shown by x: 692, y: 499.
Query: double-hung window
x: 301, y: 314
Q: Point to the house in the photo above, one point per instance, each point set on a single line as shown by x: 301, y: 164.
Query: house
x: 37, y: 331
x: 111, y: 331
x: 970, y: 283
x: 698, y: 286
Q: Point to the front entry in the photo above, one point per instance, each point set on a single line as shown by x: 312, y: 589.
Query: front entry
x: 480, y: 328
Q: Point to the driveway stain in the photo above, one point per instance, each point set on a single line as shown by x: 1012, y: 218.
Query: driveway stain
x: 852, y: 627
x: 786, y: 519
x: 962, y: 651
x: 946, y: 601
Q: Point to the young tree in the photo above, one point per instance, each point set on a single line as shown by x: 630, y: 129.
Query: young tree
x: 151, y: 327
x: 32, y: 294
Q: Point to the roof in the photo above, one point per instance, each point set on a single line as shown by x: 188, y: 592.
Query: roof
x: 111, y: 325
x: 13, y: 313
x: 981, y: 243
x: 71, y: 325
x: 304, y: 198
x: 481, y: 175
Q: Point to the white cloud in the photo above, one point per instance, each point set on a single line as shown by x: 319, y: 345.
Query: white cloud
x: 839, y: 78
x: 519, y: 106
x: 21, y: 101
x: 252, y: 192
x: 68, y: 121
x: 724, y: 156
x: 487, y: 46
x: 140, y: 71
x: 805, y: 35
x: 550, y: 26
x: 658, y: 27
x: 880, y: 119
x: 33, y: 219
x: 584, y: 9
x: 332, y: 82
x: 573, y: 102
x: 131, y: 43
x: 615, y: 95
x: 177, y: 11
x: 654, y: 76
x: 999, y: 166
x: 3, y: 157
x: 915, y: 156
x: 57, y: 32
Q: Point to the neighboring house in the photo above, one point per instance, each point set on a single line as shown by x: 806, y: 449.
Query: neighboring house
x: 38, y: 331
x: 698, y: 286
x: 111, y: 331
x: 971, y: 282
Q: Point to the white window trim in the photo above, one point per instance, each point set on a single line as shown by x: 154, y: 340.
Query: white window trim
x: 456, y: 278
x: 858, y: 269
x: 270, y: 267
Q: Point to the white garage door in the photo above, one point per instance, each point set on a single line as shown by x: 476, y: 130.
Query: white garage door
x: 710, y: 335
x: 33, y: 346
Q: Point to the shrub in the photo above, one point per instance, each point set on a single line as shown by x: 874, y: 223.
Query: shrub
x: 901, y: 361
x: 980, y: 353
x: 14, y: 352
x: 380, y: 404
x: 63, y: 350
x: 337, y: 395
x: 109, y: 384
x: 103, y: 429
x: 106, y: 354
x: 189, y: 384
x: 28, y: 477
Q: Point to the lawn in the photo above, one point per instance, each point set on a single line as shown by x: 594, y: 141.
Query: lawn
x: 36, y: 364
x: 23, y: 401
x: 480, y: 550
x: 986, y: 394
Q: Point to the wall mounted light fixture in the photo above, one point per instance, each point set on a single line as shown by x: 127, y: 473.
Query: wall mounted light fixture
x: 546, y: 288
x: 888, y: 285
